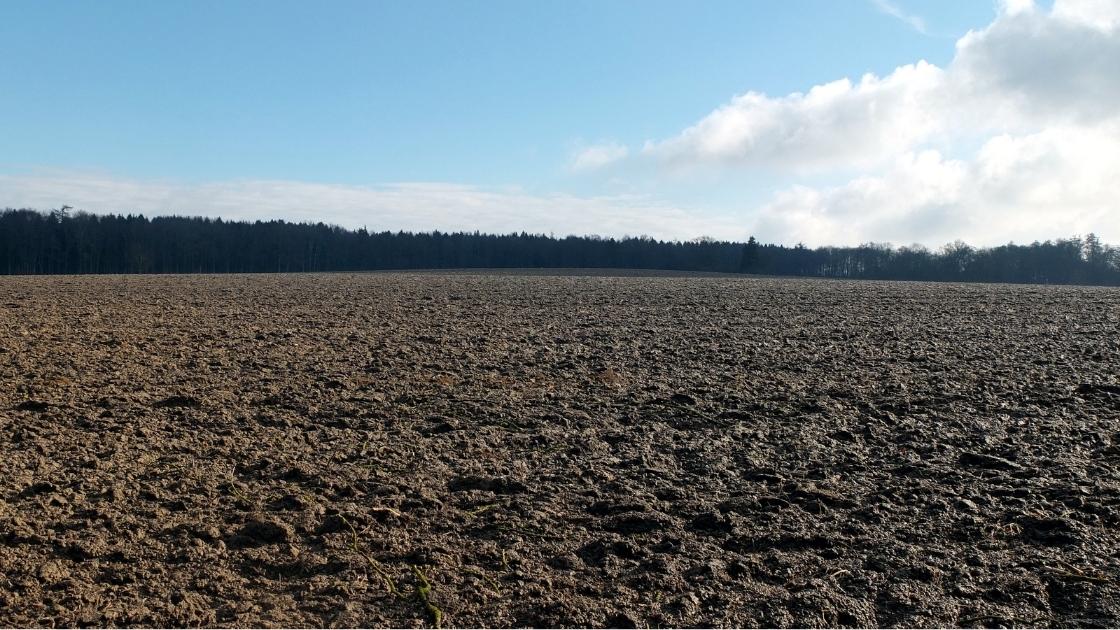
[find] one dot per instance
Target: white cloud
(1100, 14)
(1015, 7)
(867, 208)
(1058, 182)
(1035, 69)
(405, 206)
(598, 156)
(1038, 89)
(838, 124)
(890, 8)
(1027, 69)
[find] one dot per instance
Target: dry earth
(484, 450)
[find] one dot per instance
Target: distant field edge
(600, 272)
(620, 272)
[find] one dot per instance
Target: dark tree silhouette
(750, 260)
(62, 241)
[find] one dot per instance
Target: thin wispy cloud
(420, 207)
(598, 156)
(915, 21)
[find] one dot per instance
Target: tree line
(64, 242)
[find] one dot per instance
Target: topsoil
(502, 450)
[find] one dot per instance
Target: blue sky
(188, 99)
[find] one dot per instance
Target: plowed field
(534, 450)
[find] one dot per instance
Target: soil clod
(37, 406)
(265, 532)
(179, 401)
(992, 462)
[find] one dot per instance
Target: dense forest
(59, 241)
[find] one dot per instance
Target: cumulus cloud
(838, 124)
(1031, 68)
(403, 206)
(1056, 182)
(1026, 69)
(1037, 90)
(1015, 7)
(1101, 14)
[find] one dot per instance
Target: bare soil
(504, 450)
